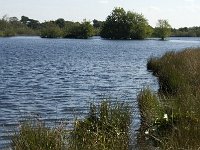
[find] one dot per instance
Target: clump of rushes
(178, 126)
(34, 135)
(106, 128)
(150, 106)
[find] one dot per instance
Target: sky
(179, 13)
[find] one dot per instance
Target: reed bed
(105, 128)
(171, 118)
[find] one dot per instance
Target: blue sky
(179, 13)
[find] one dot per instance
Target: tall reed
(178, 99)
(105, 128)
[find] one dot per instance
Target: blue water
(58, 78)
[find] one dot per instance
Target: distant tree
(72, 30)
(82, 30)
(60, 22)
(97, 26)
(24, 20)
(13, 19)
(97, 23)
(5, 18)
(125, 25)
(138, 25)
(116, 25)
(86, 29)
(163, 29)
(50, 30)
(31, 23)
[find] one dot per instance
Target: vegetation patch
(105, 128)
(172, 116)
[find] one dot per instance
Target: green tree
(163, 29)
(116, 25)
(97, 23)
(97, 26)
(31, 23)
(86, 29)
(125, 25)
(138, 25)
(24, 20)
(60, 22)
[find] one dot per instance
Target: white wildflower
(165, 117)
(146, 132)
(118, 133)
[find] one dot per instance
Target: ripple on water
(57, 79)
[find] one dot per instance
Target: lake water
(58, 78)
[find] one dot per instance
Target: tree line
(120, 24)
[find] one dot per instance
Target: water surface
(58, 78)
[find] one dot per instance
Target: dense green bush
(125, 25)
(82, 30)
(50, 30)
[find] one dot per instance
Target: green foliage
(179, 79)
(186, 32)
(163, 29)
(50, 30)
(125, 25)
(60, 29)
(150, 107)
(97, 26)
(60, 22)
(31, 23)
(12, 26)
(139, 27)
(106, 128)
(97, 23)
(33, 135)
(116, 25)
(82, 30)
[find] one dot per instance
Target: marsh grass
(35, 135)
(105, 128)
(178, 127)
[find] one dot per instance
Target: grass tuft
(34, 135)
(106, 127)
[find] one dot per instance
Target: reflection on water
(58, 78)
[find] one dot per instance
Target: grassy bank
(105, 128)
(171, 118)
